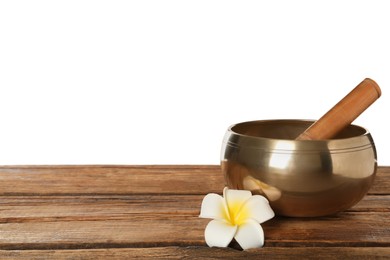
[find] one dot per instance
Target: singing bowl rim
(235, 137)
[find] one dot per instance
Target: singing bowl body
(304, 178)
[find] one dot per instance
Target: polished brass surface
(299, 177)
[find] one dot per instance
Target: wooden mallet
(344, 112)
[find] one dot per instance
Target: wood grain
(74, 180)
(110, 180)
(50, 222)
(84, 212)
(195, 252)
(32, 208)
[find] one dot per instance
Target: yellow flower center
(237, 213)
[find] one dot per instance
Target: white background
(159, 82)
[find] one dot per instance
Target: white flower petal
(219, 233)
(258, 209)
(235, 198)
(250, 235)
(213, 206)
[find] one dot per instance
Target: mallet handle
(344, 112)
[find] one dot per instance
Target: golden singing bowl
(303, 178)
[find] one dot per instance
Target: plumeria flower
(236, 215)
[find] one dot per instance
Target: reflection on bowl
(299, 178)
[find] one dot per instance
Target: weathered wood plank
(345, 229)
(143, 230)
(381, 183)
(111, 207)
(144, 226)
(373, 203)
(110, 180)
(73, 180)
(201, 253)
(84, 208)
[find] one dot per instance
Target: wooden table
(115, 212)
